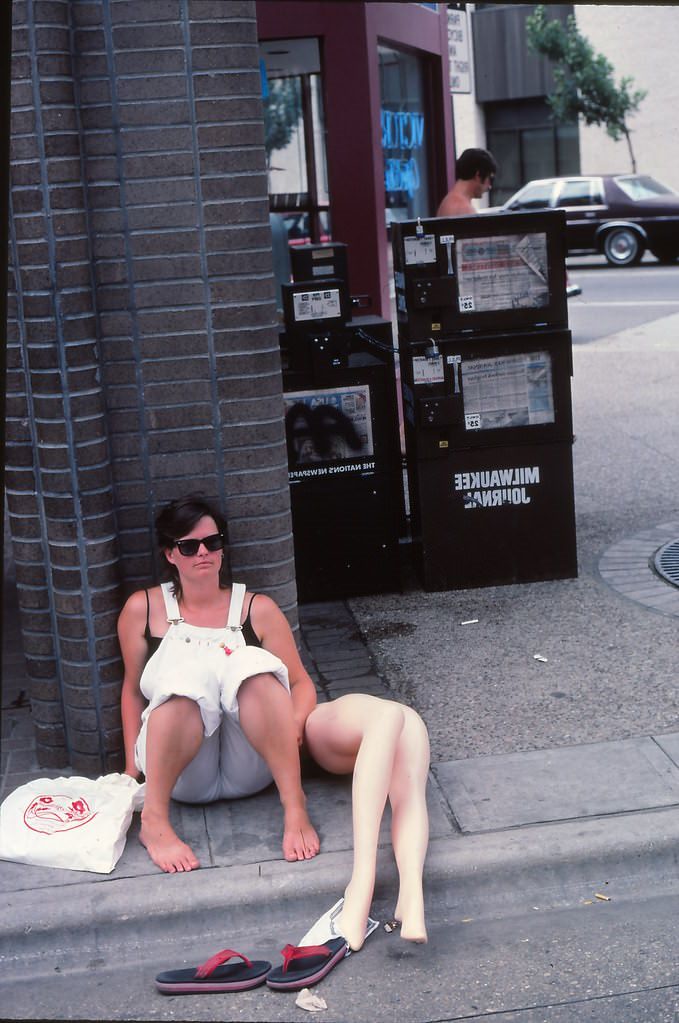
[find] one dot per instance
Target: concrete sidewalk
(501, 826)
(546, 775)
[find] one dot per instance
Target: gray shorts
(226, 766)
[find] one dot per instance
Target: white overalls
(208, 666)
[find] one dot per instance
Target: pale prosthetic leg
(387, 747)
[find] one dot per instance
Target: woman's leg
(265, 712)
(370, 736)
(173, 738)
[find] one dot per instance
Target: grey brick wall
(143, 357)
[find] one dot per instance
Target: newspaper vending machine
(485, 356)
(341, 421)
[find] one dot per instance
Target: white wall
(639, 41)
(470, 129)
(468, 119)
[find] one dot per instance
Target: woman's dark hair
(177, 519)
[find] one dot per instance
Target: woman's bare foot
(164, 846)
(410, 914)
(300, 841)
(353, 919)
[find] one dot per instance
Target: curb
(487, 875)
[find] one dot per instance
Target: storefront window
(405, 142)
(295, 138)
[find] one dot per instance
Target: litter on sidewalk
(306, 999)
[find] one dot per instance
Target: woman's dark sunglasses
(214, 542)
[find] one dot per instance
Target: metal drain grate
(666, 562)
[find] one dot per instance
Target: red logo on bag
(49, 814)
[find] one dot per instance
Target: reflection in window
(567, 149)
(535, 197)
(642, 186)
(298, 226)
(318, 122)
(404, 135)
(295, 139)
(537, 147)
(579, 193)
(285, 149)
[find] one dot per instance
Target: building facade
(505, 109)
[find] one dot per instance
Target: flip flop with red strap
(306, 964)
(214, 976)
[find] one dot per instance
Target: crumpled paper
(306, 999)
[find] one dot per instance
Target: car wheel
(622, 247)
(668, 255)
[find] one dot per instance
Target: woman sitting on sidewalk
(215, 696)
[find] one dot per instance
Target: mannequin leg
(265, 712)
(410, 823)
(364, 733)
(371, 782)
(174, 736)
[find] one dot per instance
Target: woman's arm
(134, 648)
(274, 631)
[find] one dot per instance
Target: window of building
(405, 134)
(295, 138)
(528, 145)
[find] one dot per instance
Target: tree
(583, 79)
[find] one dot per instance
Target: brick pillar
(58, 476)
(144, 353)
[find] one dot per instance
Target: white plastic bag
(76, 823)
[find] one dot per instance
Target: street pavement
(553, 792)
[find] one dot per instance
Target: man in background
(474, 172)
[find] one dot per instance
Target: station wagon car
(619, 215)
